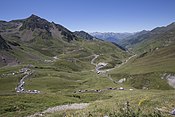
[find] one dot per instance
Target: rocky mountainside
(84, 35)
(32, 27)
(132, 39)
(3, 44)
(36, 39)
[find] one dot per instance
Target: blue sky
(95, 15)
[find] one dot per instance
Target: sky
(94, 15)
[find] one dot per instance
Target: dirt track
(61, 108)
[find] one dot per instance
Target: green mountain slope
(146, 41)
(155, 56)
(59, 67)
(35, 39)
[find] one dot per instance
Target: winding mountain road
(98, 66)
(76, 106)
(20, 88)
(122, 63)
(95, 57)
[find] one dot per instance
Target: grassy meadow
(59, 79)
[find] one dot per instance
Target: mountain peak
(33, 16)
(172, 25)
(34, 22)
(84, 35)
(46, 29)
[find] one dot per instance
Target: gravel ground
(61, 108)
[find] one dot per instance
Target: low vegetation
(63, 72)
(134, 103)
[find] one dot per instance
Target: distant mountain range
(111, 36)
(143, 40)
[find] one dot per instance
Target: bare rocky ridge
(83, 35)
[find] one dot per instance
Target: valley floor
(80, 94)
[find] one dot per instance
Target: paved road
(95, 57)
(122, 63)
(20, 88)
(99, 66)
